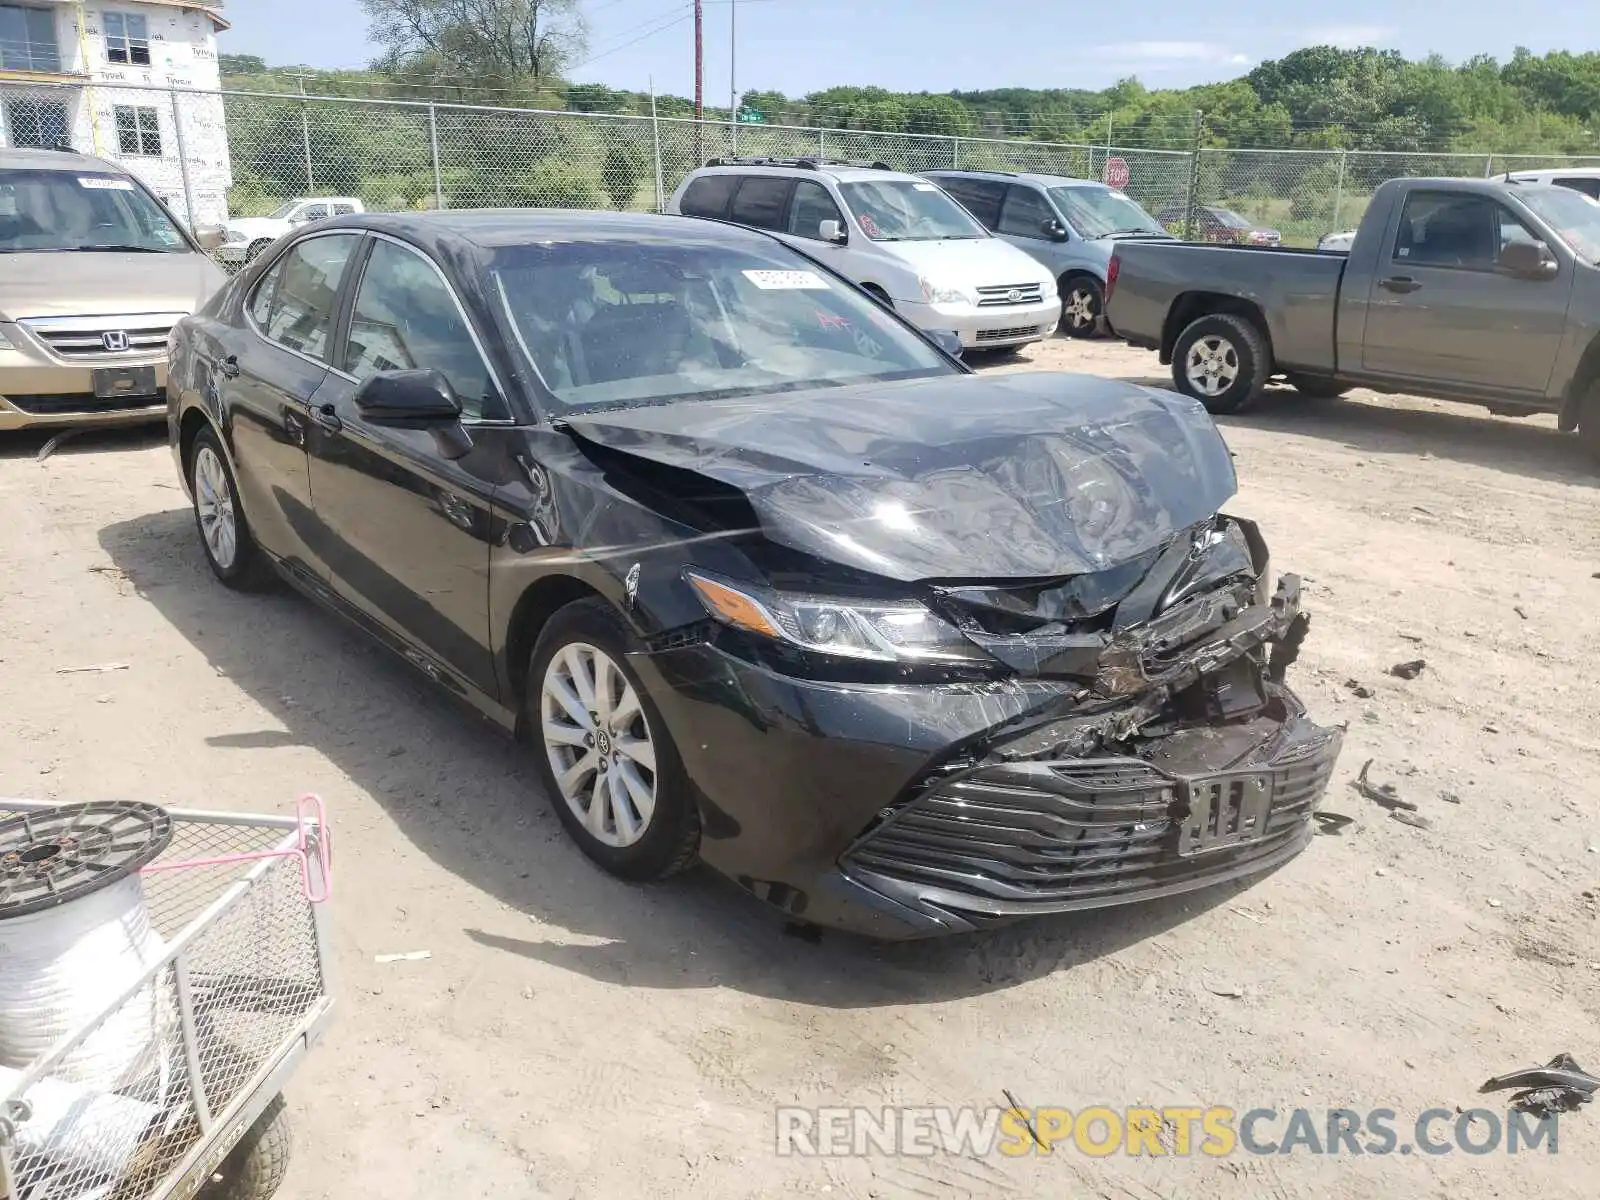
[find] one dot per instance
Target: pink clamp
(309, 813)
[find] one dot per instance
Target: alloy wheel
(1081, 309)
(1212, 365)
(213, 501)
(598, 741)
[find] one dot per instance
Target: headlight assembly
(898, 631)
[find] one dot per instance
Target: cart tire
(257, 1165)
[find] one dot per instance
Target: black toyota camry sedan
(764, 577)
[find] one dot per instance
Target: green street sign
(751, 116)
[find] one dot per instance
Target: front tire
(1222, 360)
(1083, 307)
(230, 548)
(604, 755)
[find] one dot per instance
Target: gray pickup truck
(1473, 290)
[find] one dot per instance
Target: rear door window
(294, 303)
(708, 196)
(762, 201)
(980, 197)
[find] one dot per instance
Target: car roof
(1037, 177)
(840, 172)
(1547, 172)
(55, 160)
(493, 228)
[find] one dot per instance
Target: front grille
(1005, 335)
(84, 339)
(1007, 294)
(1009, 838)
(86, 403)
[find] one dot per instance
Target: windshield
(1573, 216)
(904, 210)
(68, 210)
(1095, 211)
(281, 213)
(611, 324)
(1231, 219)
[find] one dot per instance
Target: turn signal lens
(735, 608)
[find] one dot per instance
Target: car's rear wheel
(256, 248)
(1083, 305)
(1317, 388)
(1222, 361)
(605, 757)
(230, 548)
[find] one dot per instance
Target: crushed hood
(1023, 476)
(104, 283)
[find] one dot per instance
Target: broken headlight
(890, 631)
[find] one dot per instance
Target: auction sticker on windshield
(104, 185)
(788, 281)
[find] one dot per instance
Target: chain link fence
(215, 155)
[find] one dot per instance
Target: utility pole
(699, 83)
(733, 71)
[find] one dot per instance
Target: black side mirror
(1055, 230)
(411, 399)
(947, 340)
(1528, 260)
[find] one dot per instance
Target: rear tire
(1083, 306)
(1589, 422)
(256, 248)
(615, 753)
(1317, 388)
(1222, 360)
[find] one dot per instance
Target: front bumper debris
(1197, 807)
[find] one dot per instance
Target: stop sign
(1117, 173)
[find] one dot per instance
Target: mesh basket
(238, 993)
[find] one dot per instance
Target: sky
(798, 46)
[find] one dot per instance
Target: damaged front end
(1178, 759)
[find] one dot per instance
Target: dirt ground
(572, 1036)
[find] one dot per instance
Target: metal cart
(235, 996)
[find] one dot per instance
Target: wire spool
(74, 935)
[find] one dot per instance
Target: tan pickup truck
(94, 272)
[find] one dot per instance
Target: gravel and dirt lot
(573, 1036)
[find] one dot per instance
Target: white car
(249, 236)
(896, 235)
(1338, 242)
(1578, 179)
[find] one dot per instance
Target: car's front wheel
(230, 549)
(1222, 361)
(1082, 306)
(605, 757)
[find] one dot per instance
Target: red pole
(699, 83)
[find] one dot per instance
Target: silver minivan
(896, 235)
(1071, 226)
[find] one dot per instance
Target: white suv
(249, 236)
(897, 235)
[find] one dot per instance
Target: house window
(28, 39)
(34, 122)
(127, 39)
(138, 131)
